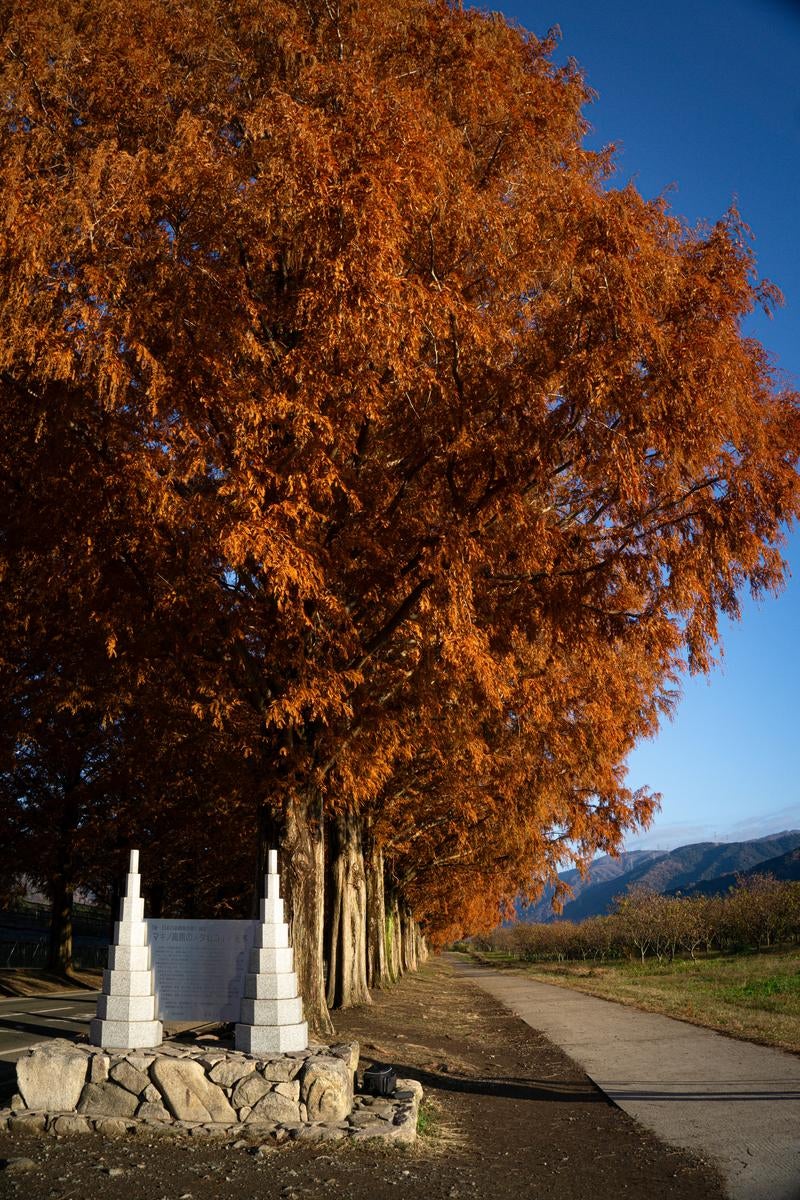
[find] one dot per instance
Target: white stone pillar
(272, 1011)
(127, 1017)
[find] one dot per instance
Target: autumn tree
(56, 749)
(49, 798)
(758, 911)
(373, 430)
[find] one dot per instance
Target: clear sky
(702, 98)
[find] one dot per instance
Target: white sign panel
(199, 967)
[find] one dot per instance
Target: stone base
(129, 1010)
(272, 937)
(205, 1092)
(268, 960)
(393, 1119)
(128, 983)
(271, 1039)
(128, 958)
(143, 1035)
(276, 1012)
(271, 986)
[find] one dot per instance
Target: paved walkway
(727, 1101)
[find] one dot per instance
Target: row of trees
(370, 467)
(758, 913)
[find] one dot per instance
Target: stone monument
(272, 1011)
(126, 1011)
(284, 1090)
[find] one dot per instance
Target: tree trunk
(378, 974)
(155, 899)
(60, 889)
(394, 958)
(59, 954)
(408, 946)
(302, 866)
(347, 915)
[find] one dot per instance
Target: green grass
(760, 993)
(426, 1120)
(751, 996)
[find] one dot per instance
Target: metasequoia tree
(91, 761)
(51, 808)
(372, 429)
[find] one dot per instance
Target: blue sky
(702, 99)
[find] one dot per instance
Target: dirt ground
(506, 1114)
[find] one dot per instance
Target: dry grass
(751, 996)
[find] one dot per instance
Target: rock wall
(308, 1095)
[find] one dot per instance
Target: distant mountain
(785, 866)
(602, 870)
(674, 870)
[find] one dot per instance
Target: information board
(199, 967)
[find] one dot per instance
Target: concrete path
(727, 1101)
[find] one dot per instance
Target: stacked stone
(126, 1011)
(305, 1095)
(272, 1011)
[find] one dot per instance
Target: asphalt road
(28, 1019)
(726, 1100)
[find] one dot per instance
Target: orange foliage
(349, 412)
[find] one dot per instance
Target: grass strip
(753, 996)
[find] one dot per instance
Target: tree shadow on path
(508, 1087)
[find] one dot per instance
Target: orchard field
(730, 963)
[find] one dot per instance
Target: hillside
(681, 869)
(785, 866)
(603, 870)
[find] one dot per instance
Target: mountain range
(701, 867)
(785, 866)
